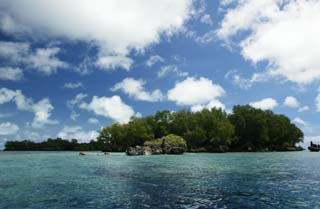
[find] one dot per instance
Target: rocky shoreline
(157, 150)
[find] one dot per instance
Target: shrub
(169, 140)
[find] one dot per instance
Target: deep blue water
(43, 180)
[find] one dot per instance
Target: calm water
(234, 180)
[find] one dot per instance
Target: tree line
(246, 128)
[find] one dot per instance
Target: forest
(245, 129)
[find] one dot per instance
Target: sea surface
(45, 180)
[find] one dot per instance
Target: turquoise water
(234, 180)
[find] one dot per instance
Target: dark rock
(175, 150)
(138, 150)
(157, 150)
(200, 149)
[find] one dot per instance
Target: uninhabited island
(167, 132)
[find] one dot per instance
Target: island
(167, 132)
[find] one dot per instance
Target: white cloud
(77, 100)
(283, 33)
(43, 60)
(114, 62)
(135, 89)
(74, 115)
(116, 26)
(10, 74)
(73, 85)
(8, 25)
(265, 104)
(42, 109)
(171, 69)
(8, 128)
(77, 132)
(318, 101)
(244, 83)
(300, 121)
(194, 91)
(110, 107)
(206, 19)
(303, 109)
(93, 120)
(206, 38)
(291, 102)
(211, 104)
(153, 60)
(13, 51)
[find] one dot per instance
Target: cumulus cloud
(43, 60)
(10, 74)
(281, 33)
(265, 104)
(303, 109)
(291, 101)
(77, 132)
(198, 93)
(153, 60)
(212, 104)
(73, 85)
(42, 109)
(93, 120)
(206, 19)
(300, 121)
(110, 107)
(116, 26)
(170, 70)
(74, 115)
(76, 100)
(318, 101)
(135, 89)
(206, 38)
(8, 128)
(244, 83)
(114, 62)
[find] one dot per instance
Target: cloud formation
(265, 104)
(43, 60)
(135, 89)
(73, 85)
(282, 33)
(8, 128)
(77, 132)
(11, 74)
(110, 107)
(116, 26)
(291, 101)
(198, 93)
(41, 109)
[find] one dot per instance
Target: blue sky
(69, 68)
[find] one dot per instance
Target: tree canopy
(246, 127)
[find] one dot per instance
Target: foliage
(245, 127)
(53, 145)
(171, 140)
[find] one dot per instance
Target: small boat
(314, 147)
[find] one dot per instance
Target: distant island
(245, 129)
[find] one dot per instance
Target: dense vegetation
(53, 145)
(246, 128)
(170, 140)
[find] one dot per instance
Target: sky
(68, 68)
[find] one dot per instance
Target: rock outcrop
(171, 144)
